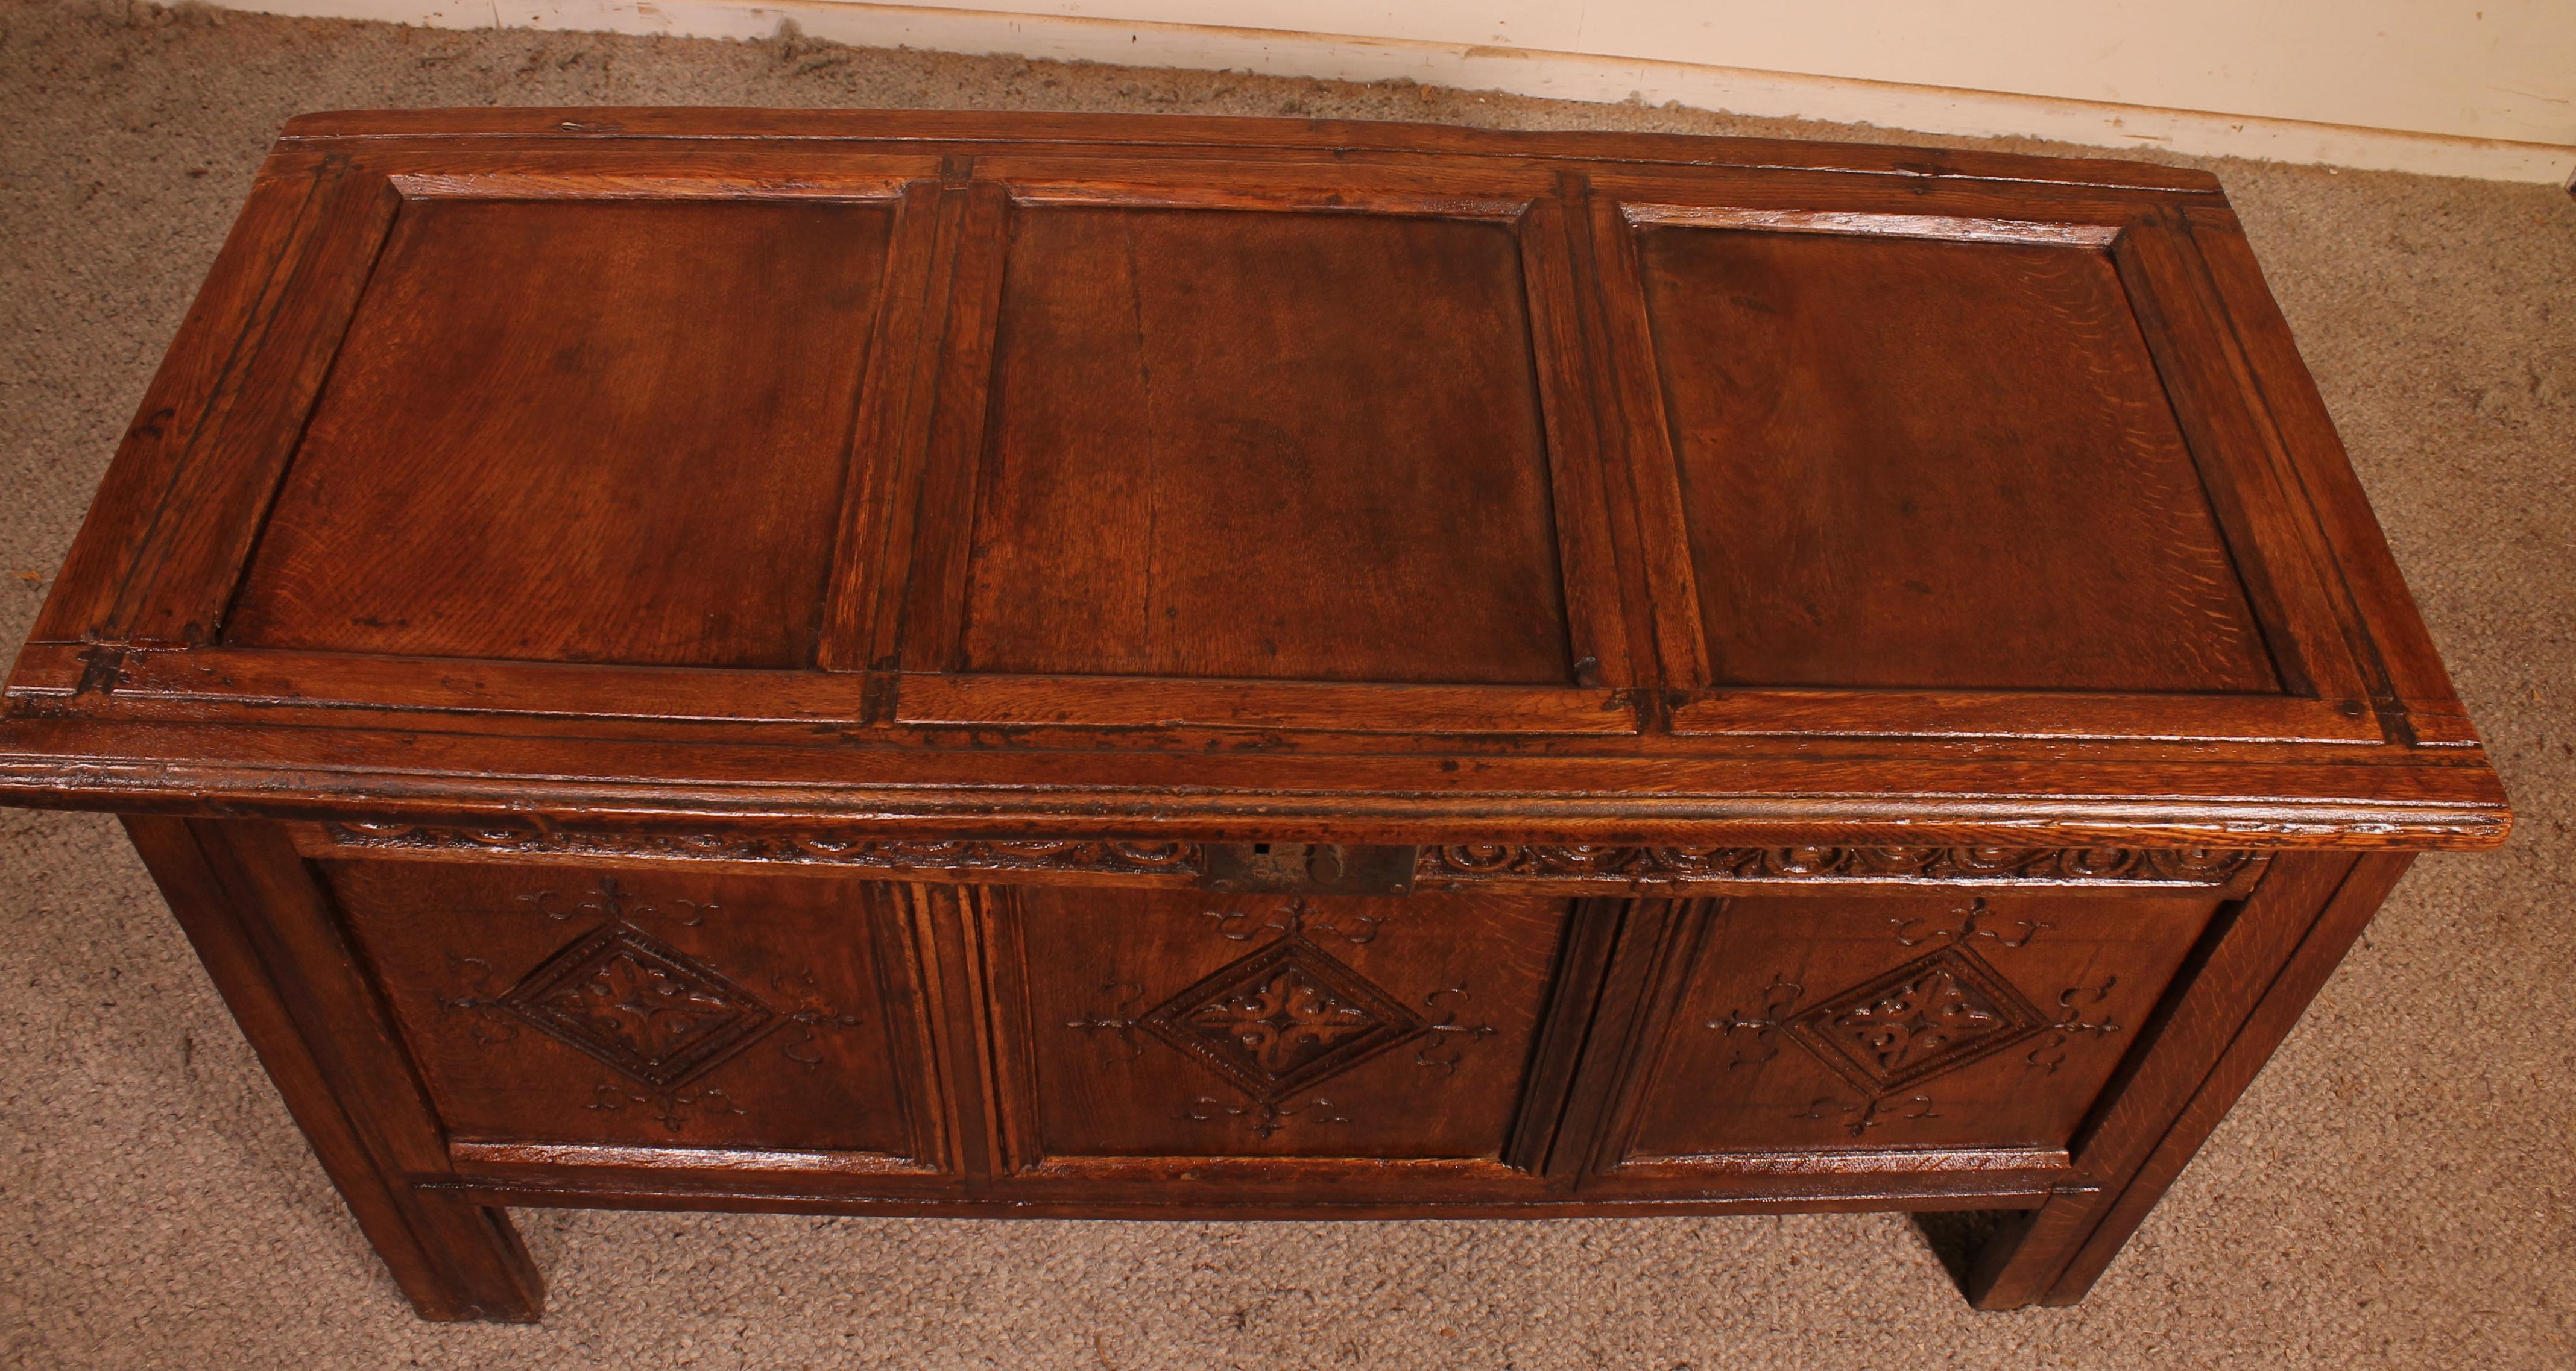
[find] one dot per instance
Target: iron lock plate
(1307, 869)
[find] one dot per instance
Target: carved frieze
(1107, 857)
(1453, 866)
(1947, 865)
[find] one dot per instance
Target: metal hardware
(1307, 869)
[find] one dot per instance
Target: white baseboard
(1515, 71)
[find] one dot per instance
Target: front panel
(1176, 1046)
(1271, 1038)
(1493, 1044)
(574, 1008)
(1924, 1031)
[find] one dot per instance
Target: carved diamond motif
(1282, 1019)
(1930, 1016)
(649, 1010)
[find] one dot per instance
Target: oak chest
(1010, 664)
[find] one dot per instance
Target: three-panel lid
(1021, 474)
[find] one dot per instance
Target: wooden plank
(1428, 188)
(273, 680)
(1658, 943)
(505, 1161)
(1130, 702)
(1155, 1196)
(1948, 227)
(207, 517)
(1180, 132)
(2275, 560)
(1809, 201)
(1582, 968)
(199, 379)
(910, 973)
(1663, 585)
(1587, 546)
(942, 546)
(583, 183)
(2022, 714)
(993, 928)
(1798, 793)
(2391, 630)
(872, 556)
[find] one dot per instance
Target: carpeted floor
(2394, 1191)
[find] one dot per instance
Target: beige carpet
(2395, 1190)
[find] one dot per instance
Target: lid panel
(1914, 462)
(1265, 445)
(1146, 485)
(580, 430)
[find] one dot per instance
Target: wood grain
(646, 471)
(574, 1007)
(1183, 402)
(1892, 448)
(725, 659)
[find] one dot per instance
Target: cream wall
(2457, 87)
(2473, 68)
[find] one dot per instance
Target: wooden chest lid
(1020, 474)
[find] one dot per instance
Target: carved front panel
(1535, 868)
(1879, 1023)
(1142, 1024)
(584, 1007)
